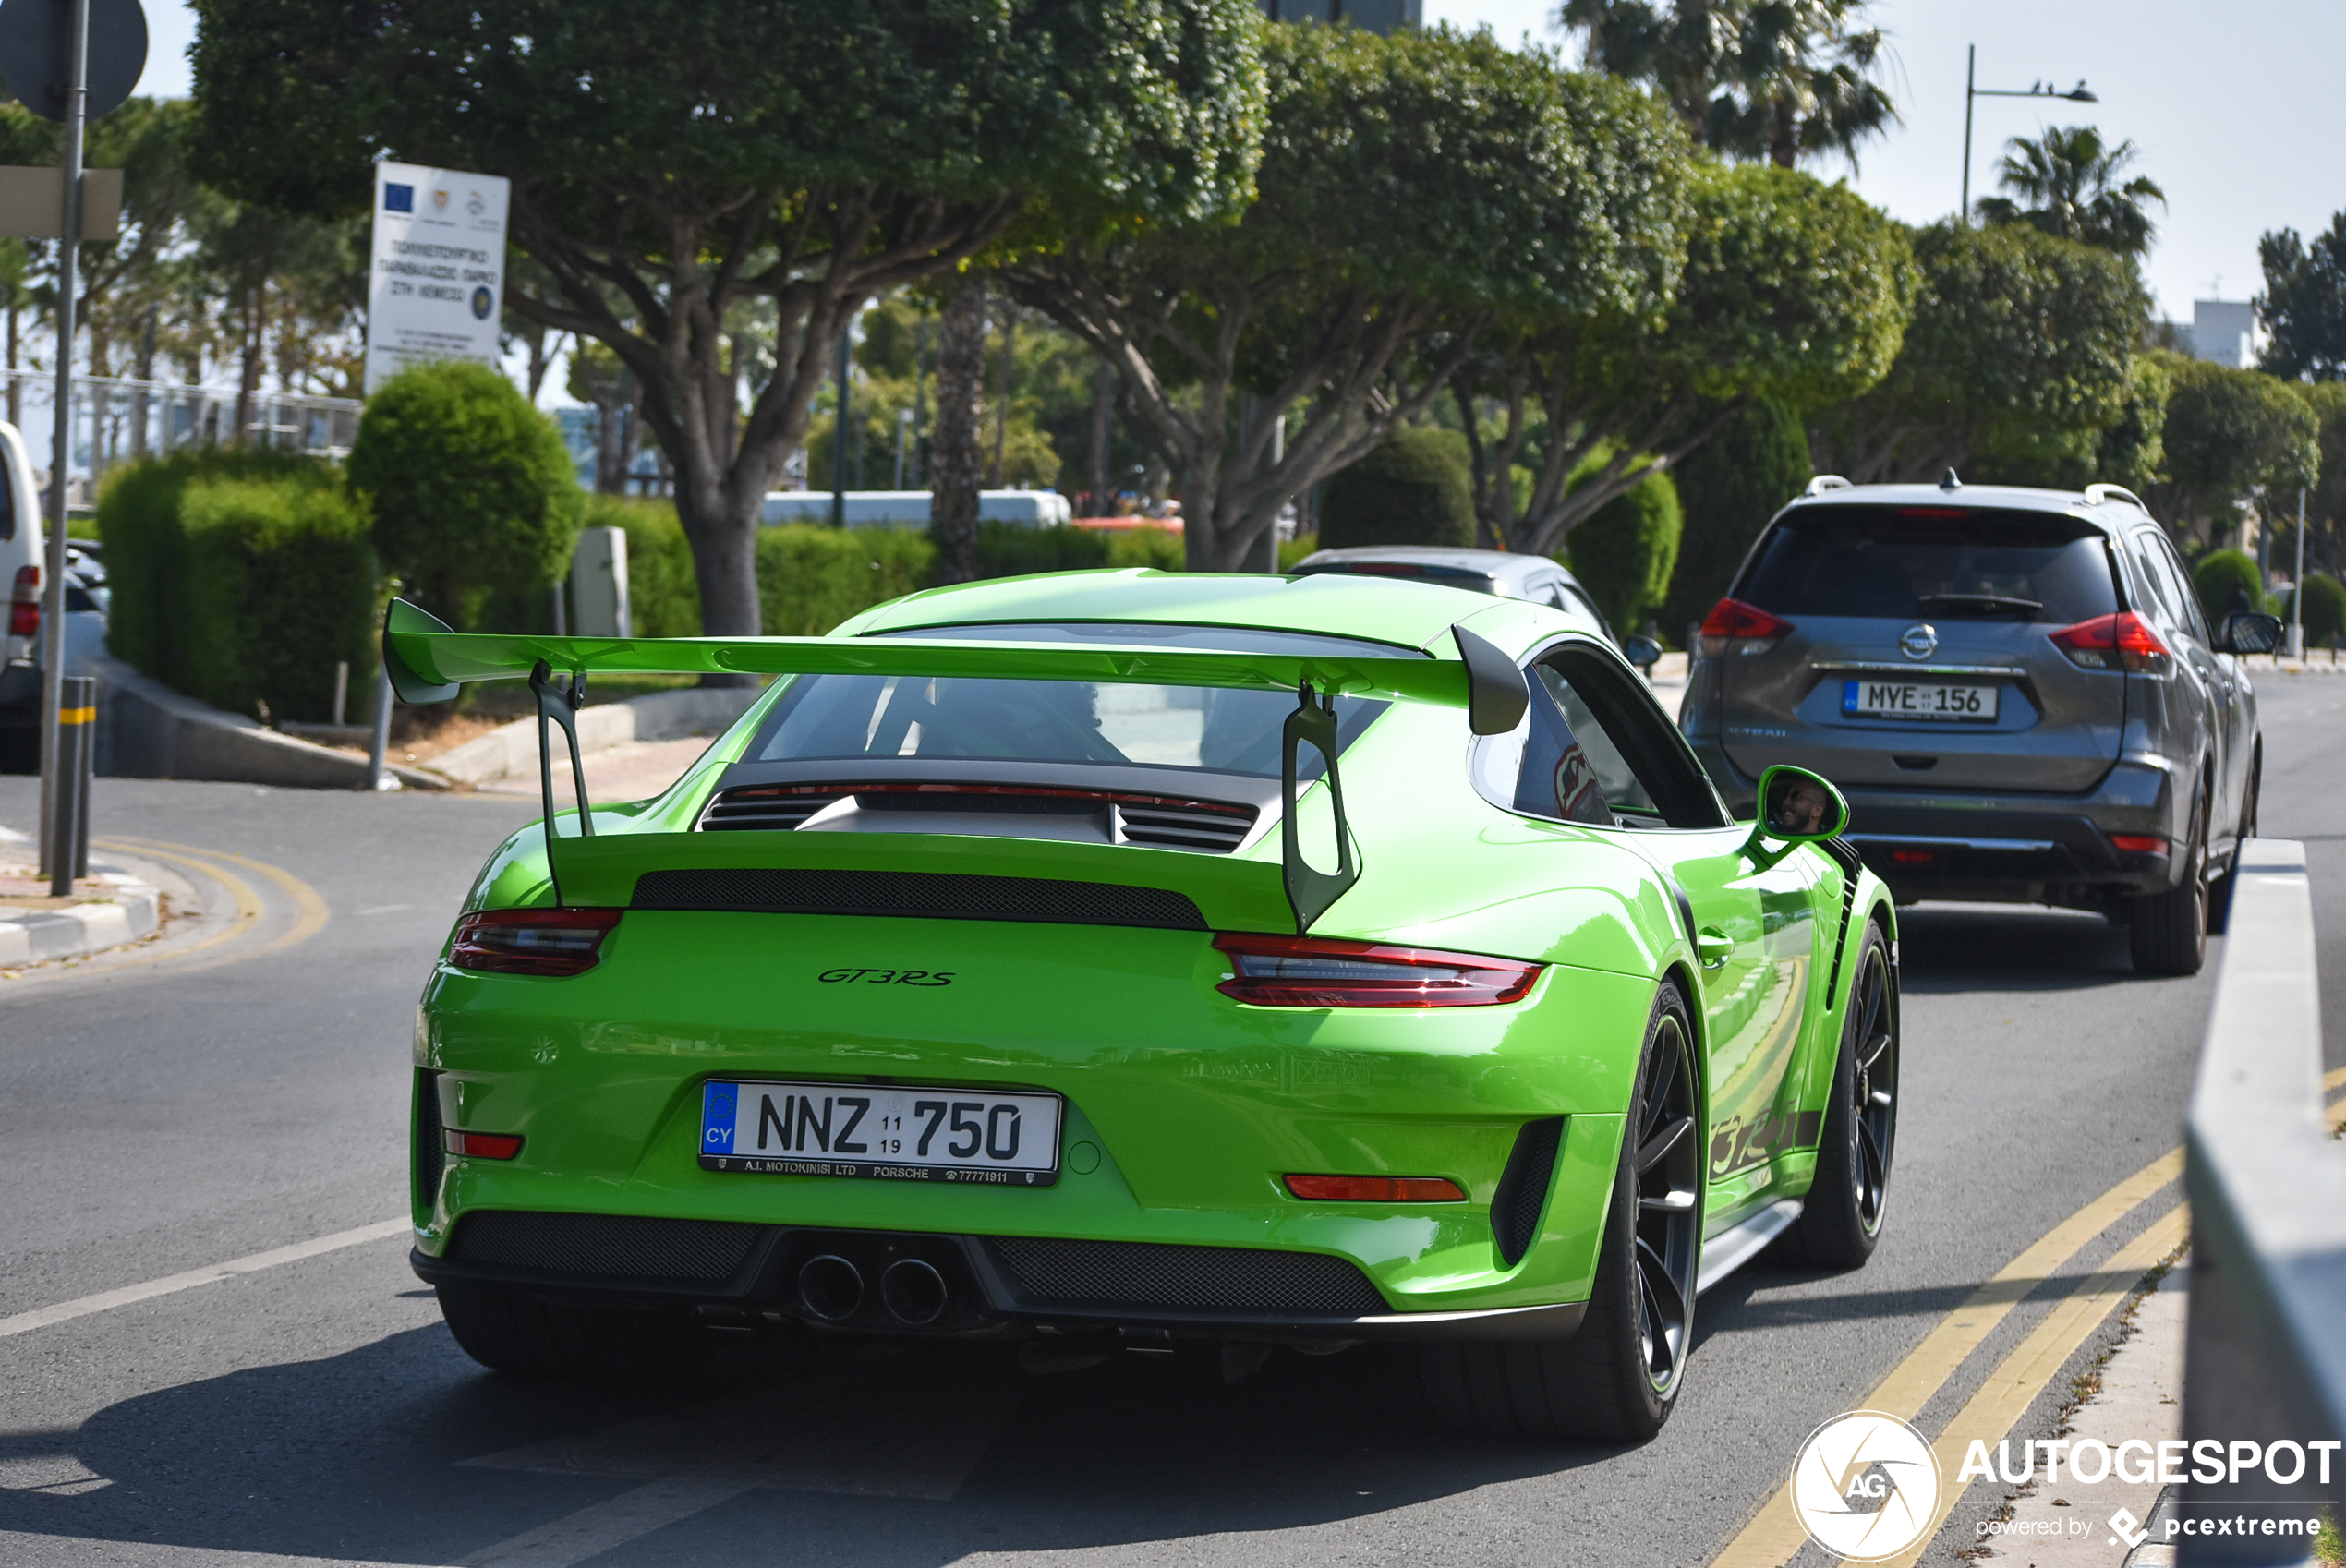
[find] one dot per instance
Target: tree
(2013, 328)
(1626, 552)
(2304, 305)
(2230, 434)
(1778, 79)
(2070, 184)
(1792, 289)
(1728, 488)
(676, 163)
(471, 487)
(1414, 190)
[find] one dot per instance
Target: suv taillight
(2124, 641)
(550, 942)
(24, 603)
(1311, 972)
(1745, 628)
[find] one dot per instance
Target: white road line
(596, 1530)
(64, 1311)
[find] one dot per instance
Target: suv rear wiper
(1987, 604)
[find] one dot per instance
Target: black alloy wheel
(2168, 934)
(1668, 1173)
(1841, 1219)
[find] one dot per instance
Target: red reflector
(1309, 971)
(24, 603)
(482, 1145)
(1377, 1190)
(1912, 857)
(550, 942)
(2124, 641)
(2139, 843)
(1734, 620)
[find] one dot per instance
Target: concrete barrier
(511, 751)
(148, 731)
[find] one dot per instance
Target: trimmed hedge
(240, 578)
(1410, 489)
(1626, 553)
(810, 578)
(2324, 609)
(1729, 487)
(2220, 576)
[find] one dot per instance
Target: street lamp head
(2080, 94)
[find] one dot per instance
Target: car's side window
(1594, 749)
(2159, 592)
(2162, 550)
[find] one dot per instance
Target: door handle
(1712, 946)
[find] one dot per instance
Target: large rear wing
(429, 662)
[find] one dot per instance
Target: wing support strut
(558, 705)
(1310, 891)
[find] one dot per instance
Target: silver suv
(2015, 688)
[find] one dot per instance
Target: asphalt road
(170, 1116)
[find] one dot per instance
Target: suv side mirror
(1798, 807)
(2251, 633)
(1642, 651)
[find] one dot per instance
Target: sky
(2234, 109)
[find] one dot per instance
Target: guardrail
(2265, 1357)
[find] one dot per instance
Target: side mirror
(1642, 651)
(2251, 633)
(1798, 807)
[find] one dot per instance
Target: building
(1375, 16)
(2222, 332)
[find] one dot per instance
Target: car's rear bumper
(2019, 847)
(992, 1286)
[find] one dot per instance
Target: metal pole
(52, 608)
(1970, 75)
(839, 442)
(380, 741)
(342, 689)
(2297, 594)
(69, 821)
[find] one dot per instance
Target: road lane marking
(310, 911)
(594, 1530)
(104, 1301)
(1774, 1533)
(2005, 1398)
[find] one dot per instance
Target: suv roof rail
(1824, 482)
(2095, 495)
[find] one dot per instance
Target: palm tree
(2069, 183)
(1780, 79)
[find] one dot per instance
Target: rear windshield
(825, 717)
(1910, 562)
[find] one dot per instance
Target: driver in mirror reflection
(1799, 809)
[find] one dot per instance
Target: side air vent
(926, 895)
(1184, 824)
(1523, 1188)
(772, 808)
(431, 1156)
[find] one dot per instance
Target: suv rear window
(1911, 562)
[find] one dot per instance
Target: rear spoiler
(429, 662)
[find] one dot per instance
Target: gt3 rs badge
(886, 976)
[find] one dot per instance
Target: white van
(21, 563)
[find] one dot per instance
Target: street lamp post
(2077, 94)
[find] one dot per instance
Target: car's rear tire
(2220, 901)
(1842, 1218)
(2168, 934)
(513, 1330)
(1618, 1380)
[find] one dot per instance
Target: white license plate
(885, 1132)
(1918, 699)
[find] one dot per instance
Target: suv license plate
(1916, 699)
(886, 1132)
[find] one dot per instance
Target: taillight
(2138, 843)
(552, 942)
(1311, 972)
(24, 603)
(2124, 641)
(1745, 628)
(482, 1145)
(1377, 1190)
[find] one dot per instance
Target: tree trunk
(1101, 386)
(1005, 398)
(248, 377)
(15, 387)
(960, 372)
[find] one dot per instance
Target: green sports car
(1117, 959)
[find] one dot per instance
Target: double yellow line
(311, 913)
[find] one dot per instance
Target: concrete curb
(32, 936)
(510, 750)
(148, 731)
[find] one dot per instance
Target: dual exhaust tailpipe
(911, 1291)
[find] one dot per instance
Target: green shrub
(471, 489)
(1626, 553)
(2324, 609)
(1005, 550)
(2222, 577)
(1156, 549)
(810, 577)
(1411, 490)
(1728, 488)
(240, 578)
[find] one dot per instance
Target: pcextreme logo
(1865, 1485)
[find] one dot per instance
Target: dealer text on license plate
(1914, 699)
(858, 1129)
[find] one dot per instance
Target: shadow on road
(376, 1455)
(1950, 947)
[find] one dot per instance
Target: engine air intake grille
(921, 894)
(766, 807)
(1145, 1275)
(1523, 1187)
(612, 1246)
(1179, 824)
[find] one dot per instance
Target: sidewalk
(107, 909)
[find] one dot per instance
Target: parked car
(2016, 689)
(22, 542)
(1533, 578)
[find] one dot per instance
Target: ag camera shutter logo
(1865, 1485)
